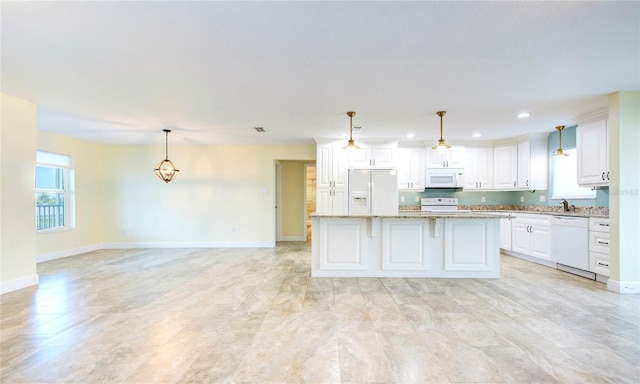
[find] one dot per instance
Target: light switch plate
(543, 198)
(402, 199)
(522, 199)
(483, 199)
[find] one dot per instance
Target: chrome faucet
(565, 205)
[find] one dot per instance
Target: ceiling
(120, 72)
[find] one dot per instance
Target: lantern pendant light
(442, 146)
(559, 152)
(165, 170)
(351, 144)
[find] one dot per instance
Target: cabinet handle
(603, 264)
(447, 163)
(603, 242)
(514, 184)
(607, 176)
(602, 176)
(603, 224)
(480, 184)
(527, 183)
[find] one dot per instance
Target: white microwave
(445, 178)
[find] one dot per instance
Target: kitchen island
(408, 244)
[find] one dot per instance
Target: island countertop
(420, 214)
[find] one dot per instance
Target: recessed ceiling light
(410, 135)
(523, 115)
(477, 134)
(260, 129)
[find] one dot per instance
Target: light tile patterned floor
(256, 316)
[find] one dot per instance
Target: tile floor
(256, 316)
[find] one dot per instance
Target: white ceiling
(120, 72)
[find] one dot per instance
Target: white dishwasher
(570, 241)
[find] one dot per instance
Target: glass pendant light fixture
(351, 144)
(165, 170)
(559, 152)
(442, 146)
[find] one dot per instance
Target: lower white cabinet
(343, 244)
(467, 245)
(505, 234)
(405, 244)
(599, 246)
(531, 235)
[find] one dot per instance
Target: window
(53, 192)
(565, 178)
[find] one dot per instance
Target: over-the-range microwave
(445, 178)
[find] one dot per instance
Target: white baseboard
(192, 244)
(14, 285)
(623, 287)
(68, 252)
(293, 238)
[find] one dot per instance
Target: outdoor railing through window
(49, 216)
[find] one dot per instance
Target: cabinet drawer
(599, 242)
(599, 263)
(598, 224)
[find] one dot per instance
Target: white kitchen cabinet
(465, 245)
(478, 169)
(531, 235)
(505, 167)
(599, 246)
(331, 179)
(505, 234)
(593, 154)
(343, 243)
(411, 168)
(374, 155)
(405, 244)
(533, 165)
(453, 157)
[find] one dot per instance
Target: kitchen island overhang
(408, 244)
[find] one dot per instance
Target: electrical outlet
(402, 199)
(522, 199)
(483, 199)
(233, 229)
(543, 198)
(417, 199)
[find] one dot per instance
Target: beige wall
(624, 204)
(224, 195)
(88, 161)
(17, 204)
(293, 203)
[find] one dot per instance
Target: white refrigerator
(373, 192)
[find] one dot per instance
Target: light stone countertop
(426, 215)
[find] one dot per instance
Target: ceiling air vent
(260, 129)
(357, 129)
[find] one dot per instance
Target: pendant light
(351, 144)
(165, 170)
(559, 152)
(442, 146)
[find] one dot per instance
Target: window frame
(572, 152)
(64, 162)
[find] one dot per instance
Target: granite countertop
(599, 212)
(426, 215)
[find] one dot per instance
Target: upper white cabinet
(331, 179)
(533, 164)
(593, 153)
(478, 169)
(374, 155)
(505, 167)
(453, 157)
(411, 168)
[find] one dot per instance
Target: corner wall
(17, 198)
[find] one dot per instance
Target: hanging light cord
(166, 144)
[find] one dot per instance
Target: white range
(440, 205)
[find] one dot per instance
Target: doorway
(309, 196)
